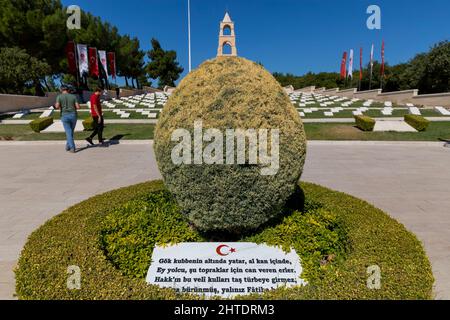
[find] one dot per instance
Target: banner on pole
(112, 64)
(350, 65)
(360, 63)
(93, 62)
(71, 58)
(344, 65)
(382, 59)
(83, 65)
(371, 56)
(103, 61)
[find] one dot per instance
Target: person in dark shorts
(97, 115)
(117, 92)
(69, 105)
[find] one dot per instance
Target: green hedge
(73, 238)
(88, 124)
(41, 124)
(365, 123)
(417, 122)
(131, 231)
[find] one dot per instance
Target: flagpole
(189, 34)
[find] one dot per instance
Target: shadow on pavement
(111, 142)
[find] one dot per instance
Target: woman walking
(69, 105)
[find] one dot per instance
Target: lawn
(83, 114)
(374, 113)
(125, 131)
(314, 131)
(348, 131)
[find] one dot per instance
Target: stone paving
(410, 181)
(58, 126)
(393, 125)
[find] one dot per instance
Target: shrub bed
(417, 122)
(41, 124)
(131, 231)
(365, 123)
(79, 235)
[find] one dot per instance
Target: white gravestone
(224, 269)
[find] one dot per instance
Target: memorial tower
(227, 38)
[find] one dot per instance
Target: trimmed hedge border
(417, 122)
(88, 124)
(365, 123)
(72, 238)
(41, 124)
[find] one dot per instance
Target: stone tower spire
(227, 37)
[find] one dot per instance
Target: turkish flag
(360, 63)
(382, 59)
(71, 57)
(93, 62)
(344, 66)
(112, 64)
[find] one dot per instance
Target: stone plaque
(224, 269)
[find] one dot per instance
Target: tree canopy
(38, 28)
(163, 65)
(19, 70)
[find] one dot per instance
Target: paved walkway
(57, 126)
(411, 181)
(393, 125)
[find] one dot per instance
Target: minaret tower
(227, 37)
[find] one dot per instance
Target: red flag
(71, 58)
(360, 63)
(93, 62)
(112, 64)
(382, 59)
(344, 66)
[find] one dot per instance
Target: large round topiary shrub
(230, 93)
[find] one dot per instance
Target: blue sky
(293, 36)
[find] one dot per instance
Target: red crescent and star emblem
(222, 250)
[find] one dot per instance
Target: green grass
(320, 114)
(111, 115)
(373, 113)
(399, 113)
(73, 238)
(128, 131)
(130, 232)
(84, 114)
(348, 131)
(30, 116)
(314, 131)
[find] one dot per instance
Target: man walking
(97, 115)
(69, 105)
